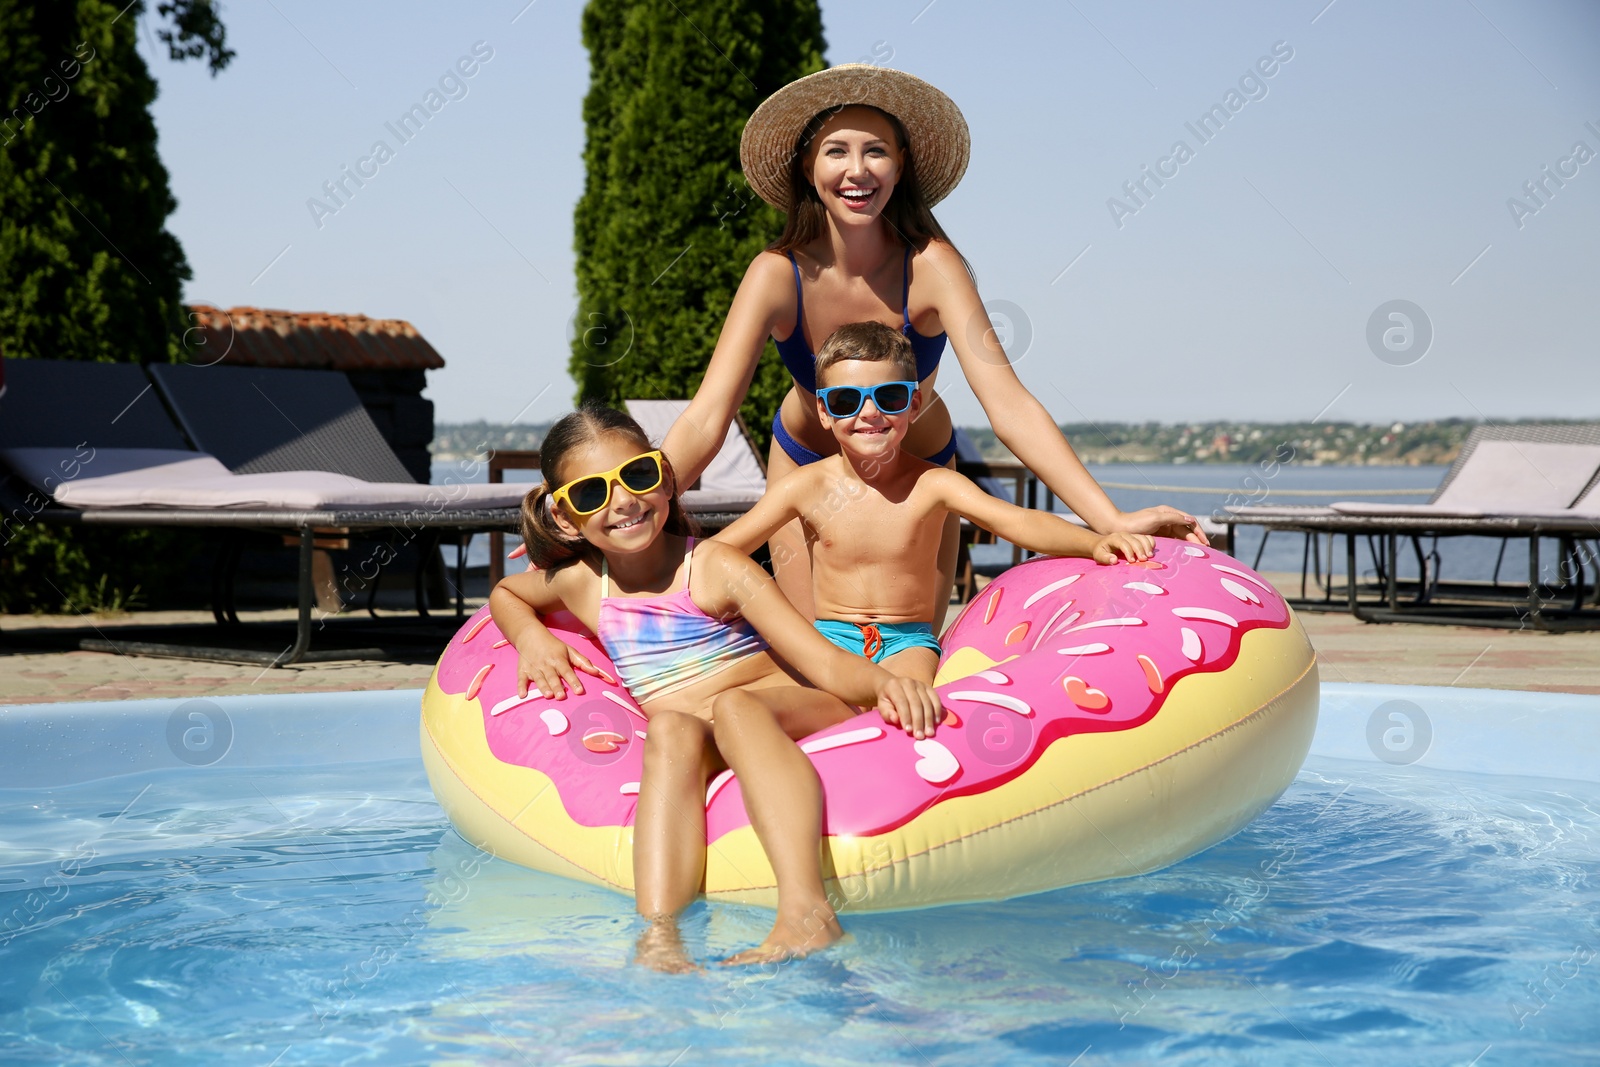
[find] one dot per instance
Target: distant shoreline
(1323, 444)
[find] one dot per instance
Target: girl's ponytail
(548, 545)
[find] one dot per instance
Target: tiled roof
(263, 337)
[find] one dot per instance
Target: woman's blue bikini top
(802, 362)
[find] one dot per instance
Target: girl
(687, 624)
(856, 156)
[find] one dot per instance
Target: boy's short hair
(870, 342)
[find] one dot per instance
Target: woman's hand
(1162, 521)
(549, 664)
(911, 705)
(1130, 546)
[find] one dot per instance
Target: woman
(855, 156)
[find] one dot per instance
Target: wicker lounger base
(1534, 604)
(426, 525)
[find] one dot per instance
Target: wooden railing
(499, 463)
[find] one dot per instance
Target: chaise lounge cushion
(1502, 478)
(165, 478)
(732, 481)
(1279, 511)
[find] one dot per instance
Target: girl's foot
(660, 948)
(794, 936)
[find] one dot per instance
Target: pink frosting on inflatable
(1078, 648)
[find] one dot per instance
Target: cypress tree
(87, 267)
(88, 270)
(667, 225)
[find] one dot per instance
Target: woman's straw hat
(940, 143)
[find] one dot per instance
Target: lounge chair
(274, 420)
(731, 483)
(1500, 477)
(92, 444)
(1508, 482)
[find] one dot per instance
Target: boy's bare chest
(868, 527)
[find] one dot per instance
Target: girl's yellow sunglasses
(589, 494)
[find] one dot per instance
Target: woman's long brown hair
(907, 212)
(548, 545)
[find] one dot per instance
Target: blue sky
(1374, 165)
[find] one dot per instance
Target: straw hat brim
(940, 141)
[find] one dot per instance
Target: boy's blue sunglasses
(846, 401)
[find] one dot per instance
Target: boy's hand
(1164, 521)
(911, 705)
(548, 664)
(1130, 546)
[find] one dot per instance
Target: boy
(874, 514)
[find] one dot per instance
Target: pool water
(327, 913)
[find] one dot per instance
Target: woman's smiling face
(854, 163)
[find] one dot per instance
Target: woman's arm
(739, 586)
(1019, 420)
(699, 432)
(1036, 531)
(543, 659)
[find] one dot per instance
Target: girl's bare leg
(669, 833)
(785, 809)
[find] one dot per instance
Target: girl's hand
(1163, 521)
(549, 664)
(911, 705)
(1130, 546)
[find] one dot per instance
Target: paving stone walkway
(1349, 651)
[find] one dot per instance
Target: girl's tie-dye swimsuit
(661, 644)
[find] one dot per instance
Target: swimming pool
(268, 880)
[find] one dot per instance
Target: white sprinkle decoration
(998, 700)
(1252, 579)
(1098, 623)
(716, 785)
(618, 700)
(993, 677)
(1193, 550)
(1192, 648)
(1045, 591)
(1206, 615)
(1044, 631)
(1240, 591)
(629, 789)
(640, 734)
(937, 764)
(1084, 650)
(1146, 587)
(502, 643)
(512, 703)
(849, 737)
(555, 721)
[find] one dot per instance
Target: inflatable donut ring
(1104, 721)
